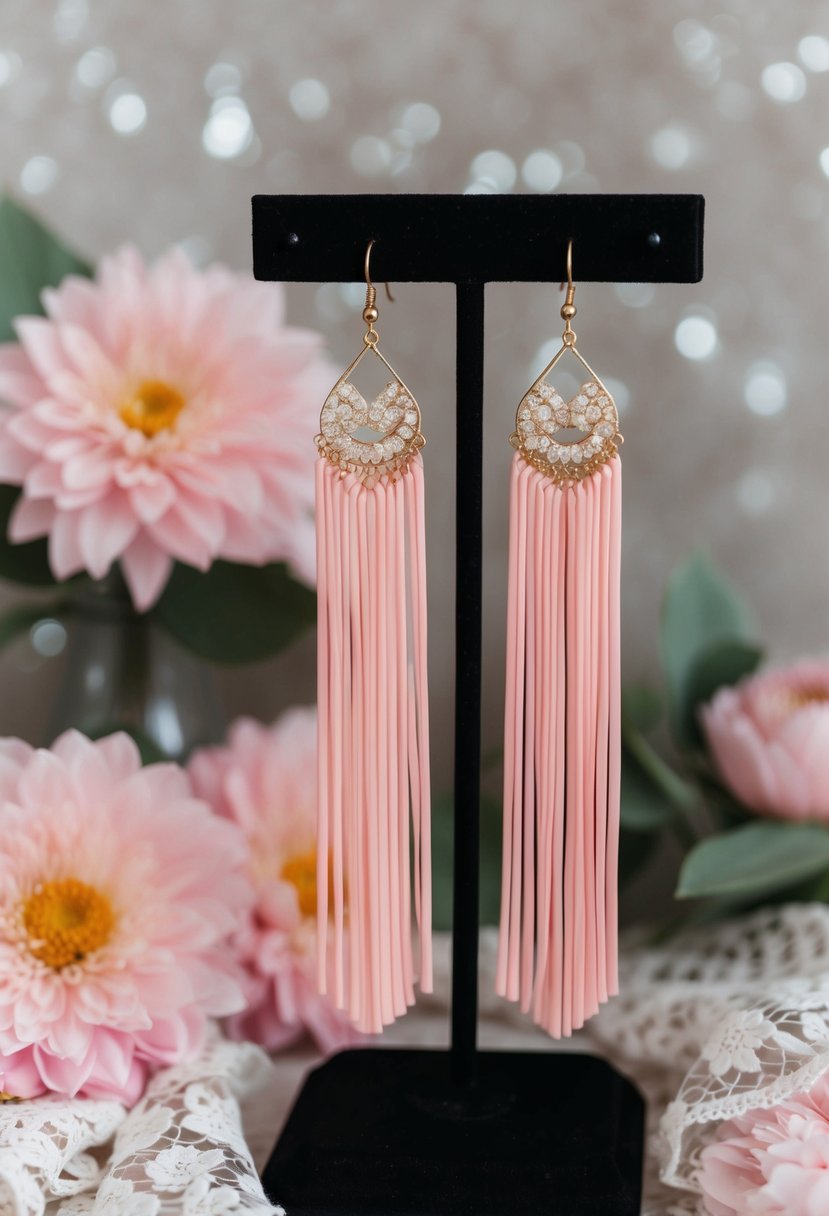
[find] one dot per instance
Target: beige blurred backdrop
(155, 123)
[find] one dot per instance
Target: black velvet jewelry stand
(380, 1132)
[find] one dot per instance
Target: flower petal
(106, 529)
(151, 499)
(146, 568)
(19, 383)
(41, 342)
(31, 518)
(60, 1073)
(740, 752)
(65, 556)
(44, 480)
(89, 469)
(174, 1038)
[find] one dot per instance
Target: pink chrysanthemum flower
(118, 894)
(265, 780)
(162, 413)
(771, 1162)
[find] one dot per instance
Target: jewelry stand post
(387, 1132)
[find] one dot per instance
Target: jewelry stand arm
(384, 1132)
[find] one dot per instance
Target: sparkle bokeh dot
(695, 337)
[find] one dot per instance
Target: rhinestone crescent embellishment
(543, 414)
(393, 415)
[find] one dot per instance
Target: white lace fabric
(716, 1022)
(710, 1024)
(179, 1151)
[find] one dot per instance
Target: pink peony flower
(118, 893)
(162, 413)
(771, 1162)
(265, 780)
(770, 739)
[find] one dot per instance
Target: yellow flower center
(301, 872)
(65, 920)
(810, 694)
(153, 407)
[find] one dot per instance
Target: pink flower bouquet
(119, 894)
(264, 781)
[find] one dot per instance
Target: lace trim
(734, 1018)
(179, 1151)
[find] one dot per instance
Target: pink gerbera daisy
(265, 780)
(118, 893)
(162, 413)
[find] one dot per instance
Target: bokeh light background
(155, 123)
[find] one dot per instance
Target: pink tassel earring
(557, 950)
(374, 823)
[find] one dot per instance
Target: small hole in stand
(292, 238)
(654, 240)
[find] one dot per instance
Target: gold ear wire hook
(568, 308)
(370, 311)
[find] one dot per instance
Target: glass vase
(124, 671)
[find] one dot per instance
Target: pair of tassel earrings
(557, 948)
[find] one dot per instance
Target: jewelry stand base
(378, 1132)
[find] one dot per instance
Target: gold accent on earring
(543, 413)
(393, 416)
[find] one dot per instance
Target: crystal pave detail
(393, 415)
(543, 413)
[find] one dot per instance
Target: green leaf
(754, 860)
(673, 787)
(819, 890)
(693, 915)
(641, 706)
(31, 258)
(721, 804)
(233, 613)
(635, 850)
(27, 563)
(651, 791)
(644, 806)
(700, 609)
(719, 666)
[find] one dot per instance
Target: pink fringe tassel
(374, 828)
(557, 952)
